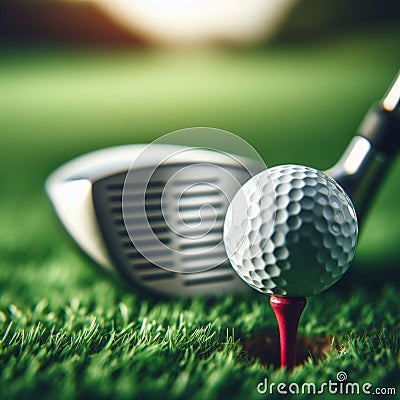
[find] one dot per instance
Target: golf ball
(291, 231)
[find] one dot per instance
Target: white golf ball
(291, 231)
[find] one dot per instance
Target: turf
(67, 331)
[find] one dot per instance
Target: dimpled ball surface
(291, 231)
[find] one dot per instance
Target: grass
(68, 332)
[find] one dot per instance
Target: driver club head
(101, 206)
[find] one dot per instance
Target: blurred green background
(74, 79)
(296, 99)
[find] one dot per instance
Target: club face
(104, 212)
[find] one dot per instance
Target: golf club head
(106, 197)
